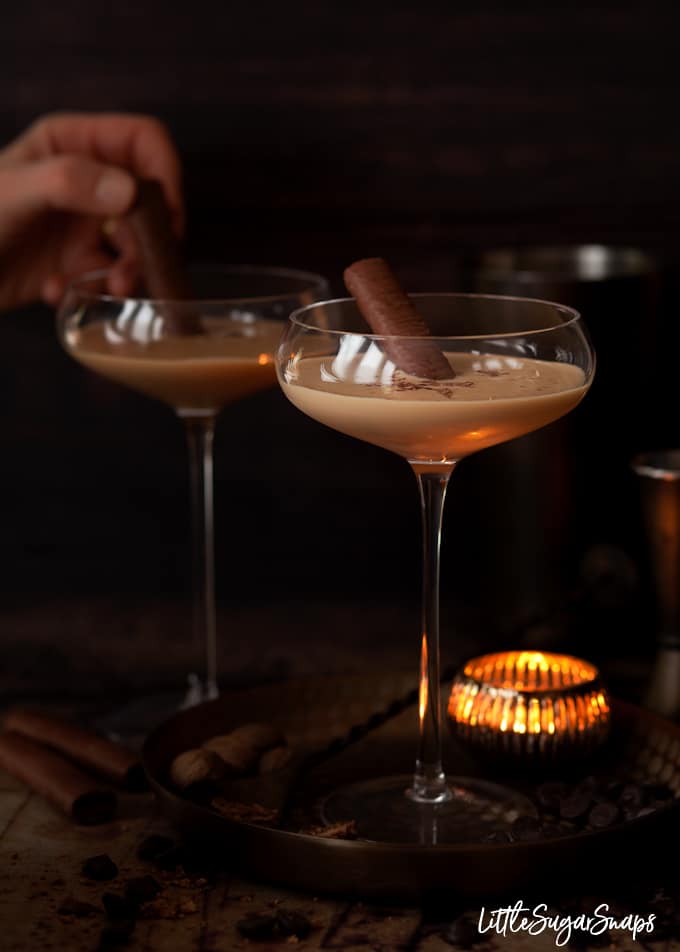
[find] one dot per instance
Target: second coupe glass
(236, 320)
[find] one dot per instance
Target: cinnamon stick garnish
(162, 264)
(390, 312)
(102, 756)
(56, 779)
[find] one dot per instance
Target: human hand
(61, 182)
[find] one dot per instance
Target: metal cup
(570, 482)
(659, 479)
(616, 291)
(558, 268)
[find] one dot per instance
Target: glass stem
(200, 434)
(429, 781)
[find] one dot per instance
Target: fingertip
(122, 278)
(52, 290)
(115, 191)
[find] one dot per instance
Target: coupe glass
(236, 321)
(519, 364)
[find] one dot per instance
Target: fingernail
(114, 190)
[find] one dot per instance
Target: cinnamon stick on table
(390, 312)
(56, 779)
(108, 760)
(162, 264)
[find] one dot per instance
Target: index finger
(141, 144)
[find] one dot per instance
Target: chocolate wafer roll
(56, 779)
(102, 756)
(389, 312)
(162, 265)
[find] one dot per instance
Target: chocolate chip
(116, 934)
(526, 829)
(576, 805)
(292, 923)
(142, 889)
(118, 908)
(170, 859)
(153, 846)
(100, 867)
(631, 797)
(550, 794)
(498, 836)
(603, 815)
(258, 927)
(614, 789)
(461, 932)
(74, 907)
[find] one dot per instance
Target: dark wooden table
(41, 854)
(41, 857)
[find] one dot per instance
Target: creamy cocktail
(196, 374)
(466, 372)
(490, 400)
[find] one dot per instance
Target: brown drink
(491, 399)
(195, 374)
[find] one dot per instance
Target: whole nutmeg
(275, 759)
(237, 757)
(240, 749)
(196, 766)
(259, 736)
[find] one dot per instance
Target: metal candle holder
(530, 705)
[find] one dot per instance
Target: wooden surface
(41, 854)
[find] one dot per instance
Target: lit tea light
(529, 704)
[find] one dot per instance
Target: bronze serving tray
(315, 711)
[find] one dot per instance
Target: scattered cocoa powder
(244, 812)
(336, 831)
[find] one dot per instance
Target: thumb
(71, 183)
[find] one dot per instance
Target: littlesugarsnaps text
(508, 920)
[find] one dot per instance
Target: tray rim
(169, 797)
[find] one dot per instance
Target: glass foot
(132, 722)
(199, 691)
(384, 813)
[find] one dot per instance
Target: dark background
(312, 134)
